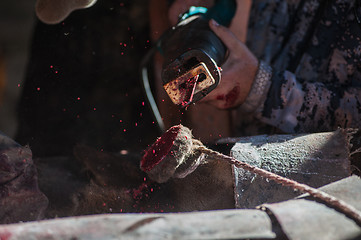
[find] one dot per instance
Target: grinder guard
(193, 54)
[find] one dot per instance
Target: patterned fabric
(261, 83)
(314, 48)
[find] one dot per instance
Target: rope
(329, 200)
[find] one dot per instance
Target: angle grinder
(193, 53)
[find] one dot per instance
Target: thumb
(227, 37)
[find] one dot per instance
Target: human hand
(238, 71)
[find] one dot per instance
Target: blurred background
(79, 82)
(17, 20)
(76, 82)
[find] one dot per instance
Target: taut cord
(329, 200)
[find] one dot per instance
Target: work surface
(268, 211)
(300, 218)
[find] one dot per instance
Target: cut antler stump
(168, 152)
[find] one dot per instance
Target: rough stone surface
(294, 219)
(303, 219)
(314, 159)
(228, 224)
(20, 197)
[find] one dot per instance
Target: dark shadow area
(83, 84)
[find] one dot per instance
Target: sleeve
(293, 107)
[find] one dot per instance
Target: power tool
(193, 53)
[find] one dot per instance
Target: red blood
(220, 97)
(5, 235)
(188, 91)
(139, 191)
(159, 150)
(231, 97)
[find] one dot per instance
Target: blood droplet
(188, 90)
